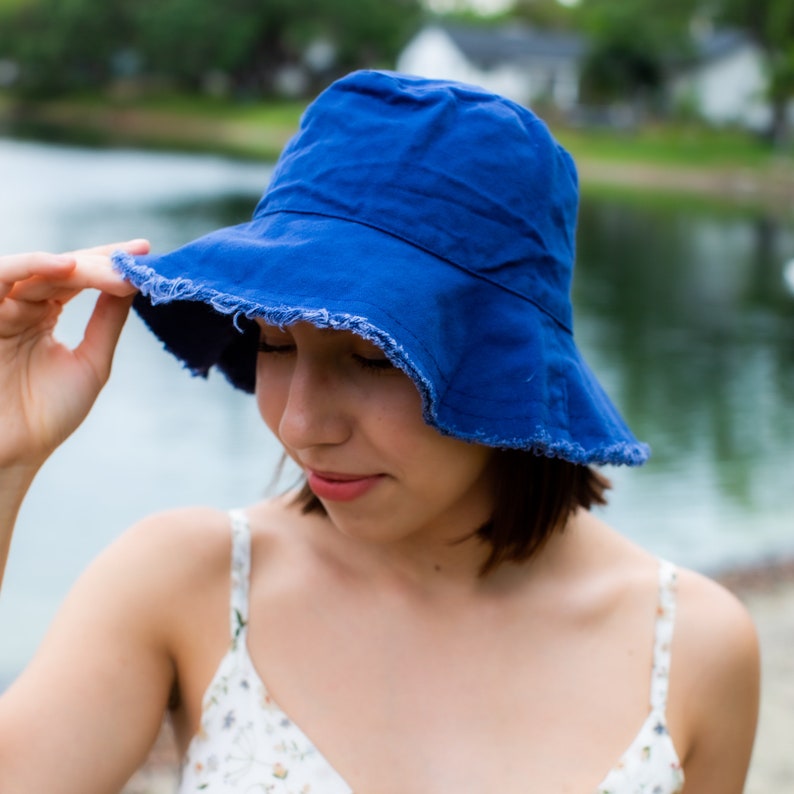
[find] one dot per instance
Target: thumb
(102, 334)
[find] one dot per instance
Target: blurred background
(162, 119)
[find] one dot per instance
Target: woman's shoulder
(714, 629)
(173, 569)
(710, 621)
(702, 602)
(708, 605)
(171, 555)
(173, 540)
(194, 541)
(715, 681)
(715, 640)
(153, 568)
(714, 660)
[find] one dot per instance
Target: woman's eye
(379, 363)
(268, 347)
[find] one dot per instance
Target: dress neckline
(238, 661)
(654, 722)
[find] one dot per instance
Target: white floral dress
(247, 745)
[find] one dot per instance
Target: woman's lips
(340, 487)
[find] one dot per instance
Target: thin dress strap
(665, 623)
(240, 575)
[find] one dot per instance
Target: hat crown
(433, 218)
(468, 176)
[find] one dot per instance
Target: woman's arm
(83, 715)
(716, 675)
(85, 712)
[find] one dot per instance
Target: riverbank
(249, 131)
(768, 593)
(721, 166)
(768, 186)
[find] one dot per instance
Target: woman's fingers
(91, 271)
(137, 246)
(23, 267)
(46, 388)
(17, 317)
(95, 271)
(40, 276)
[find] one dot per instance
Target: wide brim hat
(431, 217)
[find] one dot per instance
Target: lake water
(684, 312)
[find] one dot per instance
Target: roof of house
(490, 46)
(710, 46)
(719, 43)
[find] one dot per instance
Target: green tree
(631, 43)
(67, 44)
(63, 44)
(183, 40)
(363, 34)
(545, 14)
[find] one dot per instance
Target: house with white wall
(725, 82)
(527, 65)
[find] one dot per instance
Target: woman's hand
(46, 388)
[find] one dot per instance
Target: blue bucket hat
(431, 217)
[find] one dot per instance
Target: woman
(437, 610)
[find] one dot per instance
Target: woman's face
(353, 422)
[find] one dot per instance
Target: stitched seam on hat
(414, 244)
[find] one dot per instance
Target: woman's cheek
(271, 395)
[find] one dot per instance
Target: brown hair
(534, 497)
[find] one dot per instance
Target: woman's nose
(315, 412)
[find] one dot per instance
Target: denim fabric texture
(432, 217)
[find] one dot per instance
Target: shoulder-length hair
(535, 496)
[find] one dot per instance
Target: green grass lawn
(248, 129)
(672, 145)
(272, 112)
(260, 128)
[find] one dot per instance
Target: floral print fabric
(247, 745)
(651, 764)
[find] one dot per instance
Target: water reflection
(57, 197)
(688, 314)
(788, 275)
